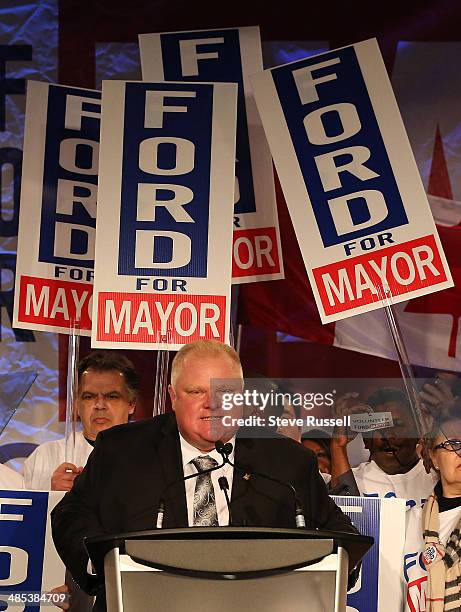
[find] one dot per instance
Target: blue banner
(339, 146)
(214, 56)
(70, 177)
(166, 177)
(23, 517)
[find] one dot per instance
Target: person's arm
(438, 396)
(76, 517)
(339, 460)
(321, 512)
(341, 473)
(63, 477)
(346, 485)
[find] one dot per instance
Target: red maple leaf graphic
(439, 179)
(447, 301)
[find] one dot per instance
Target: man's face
(394, 448)
(198, 410)
(103, 401)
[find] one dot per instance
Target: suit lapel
(170, 460)
(244, 504)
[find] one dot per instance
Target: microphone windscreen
(223, 483)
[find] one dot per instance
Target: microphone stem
(299, 515)
(160, 514)
(229, 507)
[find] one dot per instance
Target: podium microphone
(224, 486)
(225, 450)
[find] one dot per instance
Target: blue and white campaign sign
(379, 587)
(29, 564)
(351, 183)
(164, 230)
(230, 55)
(55, 261)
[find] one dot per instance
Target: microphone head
(219, 446)
(223, 483)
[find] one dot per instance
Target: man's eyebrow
(91, 392)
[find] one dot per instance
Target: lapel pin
(246, 476)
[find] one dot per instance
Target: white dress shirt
(38, 468)
(9, 479)
(189, 452)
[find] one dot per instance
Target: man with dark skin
(394, 468)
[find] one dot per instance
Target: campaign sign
(29, 564)
(230, 56)
(379, 587)
(351, 183)
(57, 221)
(164, 231)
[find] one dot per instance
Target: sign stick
(385, 295)
(72, 390)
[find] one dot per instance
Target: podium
(227, 569)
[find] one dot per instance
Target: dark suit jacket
(133, 466)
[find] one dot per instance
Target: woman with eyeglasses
(432, 563)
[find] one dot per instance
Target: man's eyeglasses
(450, 445)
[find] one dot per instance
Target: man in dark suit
(133, 466)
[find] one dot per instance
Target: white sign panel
(230, 55)
(164, 230)
(350, 180)
(54, 270)
(379, 587)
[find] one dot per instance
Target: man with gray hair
(106, 396)
(133, 468)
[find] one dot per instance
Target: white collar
(416, 471)
(189, 452)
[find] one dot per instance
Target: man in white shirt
(394, 468)
(107, 389)
(9, 479)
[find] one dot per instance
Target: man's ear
(172, 395)
(132, 406)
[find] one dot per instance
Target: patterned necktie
(205, 513)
